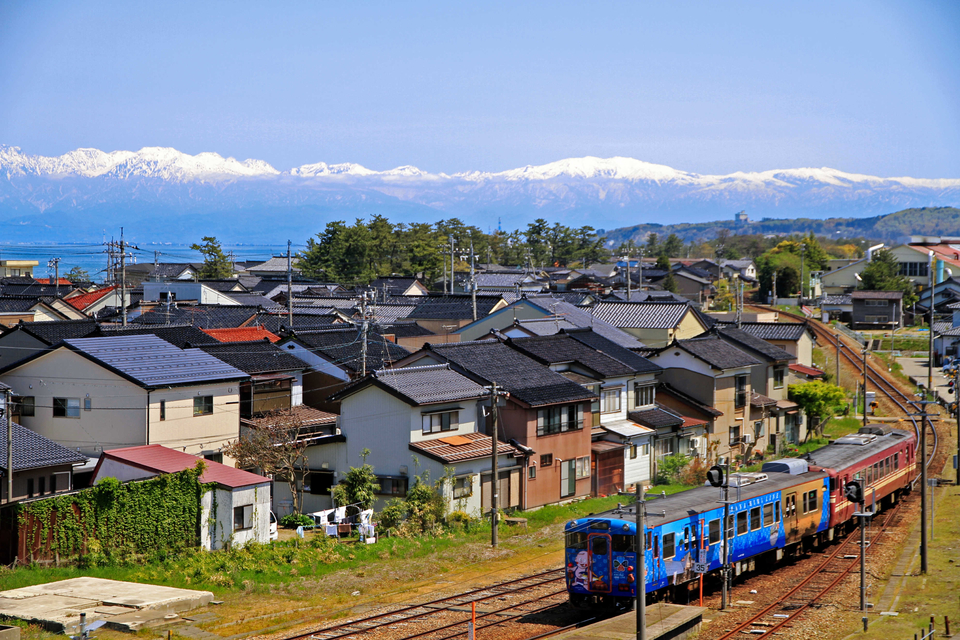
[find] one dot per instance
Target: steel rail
(317, 633)
(820, 570)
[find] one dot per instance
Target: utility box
(9, 633)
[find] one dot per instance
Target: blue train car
(770, 513)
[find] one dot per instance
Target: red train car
(883, 458)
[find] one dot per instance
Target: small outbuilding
(234, 513)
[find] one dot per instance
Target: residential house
(836, 307)
(336, 357)
(655, 324)
(796, 338)
(398, 286)
(544, 416)
(27, 308)
(27, 338)
(742, 269)
(775, 419)
(94, 303)
(443, 315)
(411, 336)
(274, 267)
(241, 334)
(276, 375)
(212, 316)
(17, 268)
(504, 282)
(844, 279)
(235, 512)
(877, 309)
(553, 311)
(623, 382)
(174, 271)
(92, 394)
(716, 374)
(203, 292)
(423, 420)
(40, 468)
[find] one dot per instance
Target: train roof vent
(877, 429)
(856, 438)
(747, 477)
(793, 466)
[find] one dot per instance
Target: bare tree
(277, 446)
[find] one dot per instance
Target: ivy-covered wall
(113, 521)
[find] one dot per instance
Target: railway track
(806, 594)
(446, 618)
(875, 376)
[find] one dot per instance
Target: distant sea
(93, 257)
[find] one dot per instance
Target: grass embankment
(295, 581)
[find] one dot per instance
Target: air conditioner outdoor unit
(748, 438)
(694, 443)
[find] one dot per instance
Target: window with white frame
(735, 433)
(644, 394)
(559, 419)
(778, 374)
(243, 517)
(583, 467)
(664, 447)
(740, 400)
(757, 430)
(437, 422)
(611, 400)
(633, 451)
(463, 486)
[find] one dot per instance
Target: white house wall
(217, 516)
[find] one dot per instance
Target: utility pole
(123, 278)
(8, 414)
(55, 264)
(738, 294)
(774, 292)
(640, 271)
(495, 394)
(956, 402)
(923, 415)
(641, 565)
(363, 332)
(289, 287)
(803, 287)
(628, 274)
(451, 263)
(864, 386)
(473, 281)
(837, 378)
(930, 283)
(156, 265)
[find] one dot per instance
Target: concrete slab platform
(57, 605)
(664, 622)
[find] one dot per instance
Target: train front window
(714, 531)
(624, 544)
(598, 545)
(669, 545)
(576, 540)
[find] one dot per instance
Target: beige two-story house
(92, 394)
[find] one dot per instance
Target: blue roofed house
(91, 394)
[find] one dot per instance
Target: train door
(791, 522)
(601, 567)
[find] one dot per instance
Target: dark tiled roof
(254, 300)
(253, 357)
(560, 348)
(225, 286)
(844, 299)
(17, 305)
(203, 316)
(525, 378)
(152, 362)
(405, 330)
(876, 295)
(646, 315)
(393, 312)
(429, 384)
(343, 347)
(546, 326)
(468, 446)
(633, 360)
(393, 286)
(717, 353)
(755, 345)
(34, 288)
(584, 317)
(173, 269)
(56, 330)
(688, 400)
(178, 334)
(32, 451)
(760, 400)
(656, 418)
(453, 308)
(301, 322)
(775, 330)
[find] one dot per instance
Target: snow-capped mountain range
(162, 190)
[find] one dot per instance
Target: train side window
(896, 461)
(669, 545)
(755, 519)
(768, 514)
(776, 515)
(647, 544)
(730, 531)
(656, 546)
(741, 523)
(714, 531)
(624, 543)
(577, 540)
(810, 501)
(889, 463)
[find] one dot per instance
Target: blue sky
(712, 87)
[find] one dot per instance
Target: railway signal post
(853, 491)
(718, 477)
(641, 566)
(923, 415)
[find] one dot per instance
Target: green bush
(669, 469)
(294, 520)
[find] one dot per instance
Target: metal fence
(856, 335)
